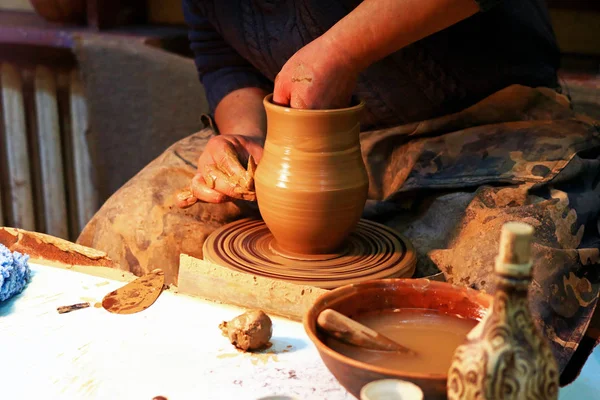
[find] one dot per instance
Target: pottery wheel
(372, 251)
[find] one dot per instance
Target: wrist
(340, 55)
(246, 130)
(242, 113)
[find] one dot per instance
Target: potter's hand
(323, 73)
(318, 76)
(221, 176)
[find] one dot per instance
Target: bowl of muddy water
(432, 318)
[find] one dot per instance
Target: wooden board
(55, 252)
(213, 282)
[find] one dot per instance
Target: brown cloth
(448, 184)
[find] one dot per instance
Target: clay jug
(505, 356)
(311, 183)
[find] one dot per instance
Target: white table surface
(174, 349)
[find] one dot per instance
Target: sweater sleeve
(220, 68)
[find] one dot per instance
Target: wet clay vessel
(386, 294)
(505, 356)
(370, 251)
(311, 183)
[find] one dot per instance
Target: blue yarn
(14, 273)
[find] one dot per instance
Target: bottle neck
(510, 300)
(513, 287)
(513, 279)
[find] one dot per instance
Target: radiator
(47, 181)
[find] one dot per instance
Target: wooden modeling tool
(136, 296)
(355, 333)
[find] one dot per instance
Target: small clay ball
(249, 331)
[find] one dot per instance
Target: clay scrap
(249, 331)
(72, 307)
(136, 296)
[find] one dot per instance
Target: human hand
(221, 176)
(318, 76)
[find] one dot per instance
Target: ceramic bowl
(391, 389)
(384, 294)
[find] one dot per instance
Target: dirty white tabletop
(173, 349)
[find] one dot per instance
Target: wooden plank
(20, 200)
(210, 281)
(52, 183)
(86, 193)
(56, 252)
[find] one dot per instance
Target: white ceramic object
(276, 397)
(391, 389)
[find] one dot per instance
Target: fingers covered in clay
(221, 176)
(233, 186)
(205, 191)
(227, 161)
(186, 199)
(217, 186)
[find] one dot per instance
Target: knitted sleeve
(220, 68)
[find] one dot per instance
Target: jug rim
(269, 104)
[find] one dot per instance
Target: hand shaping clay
(249, 331)
(243, 186)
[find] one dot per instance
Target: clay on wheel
(249, 331)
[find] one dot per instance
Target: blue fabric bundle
(14, 273)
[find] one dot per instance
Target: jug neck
(313, 130)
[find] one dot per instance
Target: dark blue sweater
(244, 43)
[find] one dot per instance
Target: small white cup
(391, 389)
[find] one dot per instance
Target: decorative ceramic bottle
(505, 356)
(311, 183)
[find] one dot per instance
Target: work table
(173, 349)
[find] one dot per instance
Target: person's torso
(446, 72)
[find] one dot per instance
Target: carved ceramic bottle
(311, 183)
(505, 356)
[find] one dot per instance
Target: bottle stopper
(514, 259)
